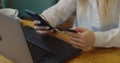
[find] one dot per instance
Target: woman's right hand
(41, 29)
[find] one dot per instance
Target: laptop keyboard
(39, 55)
(43, 53)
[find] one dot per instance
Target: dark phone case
(39, 18)
(45, 23)
(66, 29)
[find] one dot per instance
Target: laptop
(24, 45)
(12, 43)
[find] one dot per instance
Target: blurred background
(37, 6)
(0, 4)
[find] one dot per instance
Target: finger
(77, 47)
(36, 21)
(43, 32)
(78, 44)
(73, 34)
(41, 27)
(79, 29)
(84, 49)
(77, 40)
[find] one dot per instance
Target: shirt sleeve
(108, 38)
(59, 12)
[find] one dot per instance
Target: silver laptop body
(12, 42)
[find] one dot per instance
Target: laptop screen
(12, 42)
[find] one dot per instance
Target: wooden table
(97, 55)
(4, 59)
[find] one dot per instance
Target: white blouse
(107, 34)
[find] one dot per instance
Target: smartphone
(45, 23)
(66, 29)
(39, 18)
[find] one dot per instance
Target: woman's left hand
(84, 39)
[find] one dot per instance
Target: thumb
(79, 29)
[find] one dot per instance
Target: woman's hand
(41, 29)
(84, 39)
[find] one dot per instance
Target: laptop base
(48, 49)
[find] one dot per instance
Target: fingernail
(38, 22)
(52, 30)
(47, 27)
(73, 28)
(35, 27)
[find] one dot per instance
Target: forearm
(59, 12)
(108, 39)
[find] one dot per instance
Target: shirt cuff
(50, 18)
(99, 39)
